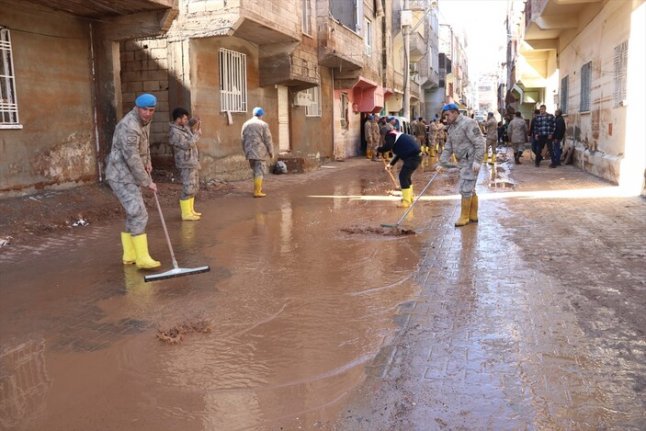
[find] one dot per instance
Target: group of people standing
(545, 131)
(129, 168)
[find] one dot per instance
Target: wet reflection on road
(296, 310)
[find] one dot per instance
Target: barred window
(621, 66)
(233, 81)
(313, 109)
(8, 99)
(564, 94)
(586, 78)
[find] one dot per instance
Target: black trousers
(410, 164)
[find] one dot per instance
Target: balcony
(123, 19)
(547, 19)
(256, 21)
(418, 47)
(289, 69)
(339, 47)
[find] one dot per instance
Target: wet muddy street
(314, 316)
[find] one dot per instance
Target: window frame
(565, 90)
(586, 87)
(620, 74)
(368, 36)
(314, 108)
(233, 89)
(9, 112)
(306, 17)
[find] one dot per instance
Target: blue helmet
(258, 111)
(450, 107)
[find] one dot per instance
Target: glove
(475, 167)
(388, 166)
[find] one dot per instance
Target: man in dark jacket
(559, 134)
(406, 148)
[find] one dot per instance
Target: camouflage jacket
(256, 140)
(130, 153)
(492, 129)
(467, 143)
(184, 143)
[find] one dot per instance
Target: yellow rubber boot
(407, 198)
(473, 212)
(464, 212)
(144, 261)
(257, 188)
(369, 153)
(192, 199)
(129, 254)
(187, 214)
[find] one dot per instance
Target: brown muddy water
(295, 309)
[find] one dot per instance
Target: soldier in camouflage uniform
(128, 168)
(491, 127)
(376, 137)
(184, 139)
(369, 137)
(466, 142)
(257, 145)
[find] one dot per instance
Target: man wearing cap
(465, 140)
(491, 127)
(257, 146)
(128, 168)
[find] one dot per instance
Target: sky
(483, 22)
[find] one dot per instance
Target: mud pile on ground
(388, 231)
(175, 334)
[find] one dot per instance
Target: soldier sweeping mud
(128, 168)
(466, 142)
(406, 148)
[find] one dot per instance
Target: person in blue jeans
(543, 133)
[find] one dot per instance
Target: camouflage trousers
(190, 182)
(133, 202)
(491, 143)
(467, 187)
(259, 168)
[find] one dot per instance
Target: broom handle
(390, 173)
(401, 219)
(170, 247)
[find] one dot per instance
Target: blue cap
(146, 100)
(450, 107)
(258, 111)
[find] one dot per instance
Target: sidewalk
(533, 319)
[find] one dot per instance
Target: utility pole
(406, 21)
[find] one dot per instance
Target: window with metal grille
(586, 76)
(564, 94)
(8, 99)
(314, 107)
(233, 81)
(307, 16)
(621, 66)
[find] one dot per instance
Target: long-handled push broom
(176, 271)
(401, 219)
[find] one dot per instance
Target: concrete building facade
(587, 59)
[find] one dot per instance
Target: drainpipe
(95, 113)
(406, 23)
